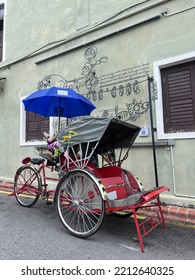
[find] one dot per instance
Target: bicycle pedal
(49, 203)
(45, 195)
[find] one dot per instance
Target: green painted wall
(123, 38)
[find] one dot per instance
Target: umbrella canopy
(58, 102)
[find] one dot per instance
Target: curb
(175, 213)
(170, 212)
(6, 186)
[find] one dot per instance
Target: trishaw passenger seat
(94, 169)
(131, 183)
(114, 177)
(111, 177)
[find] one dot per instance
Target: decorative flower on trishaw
(58, 147)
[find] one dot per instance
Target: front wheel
(80, 205)
(27, 185)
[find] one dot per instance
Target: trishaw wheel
(27, 185)
(80, 205)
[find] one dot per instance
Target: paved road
(37, 233)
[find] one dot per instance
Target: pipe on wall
(180, 11)
(102, 37)
(174, 177)
(98, 26)
(77, 35)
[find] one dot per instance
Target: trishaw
(92, 181)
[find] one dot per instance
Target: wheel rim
(80, 204)
(26, 186)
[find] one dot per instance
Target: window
(178, 89)
(175, 105)
(35, 126)
(1, 31)
(32, 127)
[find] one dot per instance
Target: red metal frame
(42, 171)
(116, 183)
(112, 177)
(152, 221)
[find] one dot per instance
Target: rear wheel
(80, 205)
(27, 186)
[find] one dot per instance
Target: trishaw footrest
(150, 223)
(128, 201)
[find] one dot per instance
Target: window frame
(157, 66)
(23, 141)
(4, 3)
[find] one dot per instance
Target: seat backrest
(110, 171)
(111, 175)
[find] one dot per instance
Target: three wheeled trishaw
(92, 181)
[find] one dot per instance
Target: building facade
(112, 52)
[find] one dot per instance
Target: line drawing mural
(132, 112)
(123, 83)
(88, 70)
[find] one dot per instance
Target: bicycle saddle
(37, 160)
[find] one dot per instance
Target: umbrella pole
(59, 114)
(59, 124)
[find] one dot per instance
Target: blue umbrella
(58, 102)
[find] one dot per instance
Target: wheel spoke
(27, 186)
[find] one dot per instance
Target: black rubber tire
(80, 205)
(26, 176)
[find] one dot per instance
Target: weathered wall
(119, 60)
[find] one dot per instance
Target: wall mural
(130, 83)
